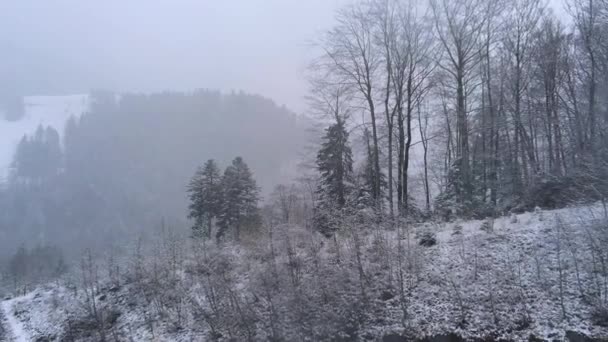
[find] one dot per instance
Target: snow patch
(16, 330)
(51, 111)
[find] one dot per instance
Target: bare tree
(585, 14)
(423, 125)
(415, 52)
(521, 28)
(285, 198)
(386, 17)
(459, 26)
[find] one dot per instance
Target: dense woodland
(425, 115)
(503, 97)
(123, 168)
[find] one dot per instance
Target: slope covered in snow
(14, 328)
(535, 276)
(51, 111)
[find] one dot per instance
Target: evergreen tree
(240, 198)
(448, 203)
(335, 163)
(52, 154)
(205, 197)
(38, 158)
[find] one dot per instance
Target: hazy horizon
(255, 46)
(71, 46)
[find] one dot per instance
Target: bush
(553, 192)
(599, 315)
(457, 230)
(487, 226)
(428, 239)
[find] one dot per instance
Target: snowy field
(51, 111)
(534, 274)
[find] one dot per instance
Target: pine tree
(448, 202)
(38, 158)
(335, 163)
(240, 197)
(205, 197)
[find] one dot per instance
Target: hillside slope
(534, 276)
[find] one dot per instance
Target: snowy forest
(446, 181)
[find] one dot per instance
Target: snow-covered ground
(14, 330)
(51, 111)
(534, 274)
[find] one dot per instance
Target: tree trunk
(427, 191)
(376, 156)
(493, 175)
(408, 143)
(401, 148)
(463, 137)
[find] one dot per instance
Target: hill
(535, 276)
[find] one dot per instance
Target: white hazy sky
(259, 46)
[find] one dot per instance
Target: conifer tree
(205, 197)
(335, 163)
(38, 158)
(240, 198)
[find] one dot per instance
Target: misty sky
(66, 46)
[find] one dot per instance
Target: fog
(54, 50)
(303, 170)
(72, 46)
(67, 46)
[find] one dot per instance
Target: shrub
(599, 315)
(487, 226)
(428, 239)
(457, 230)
